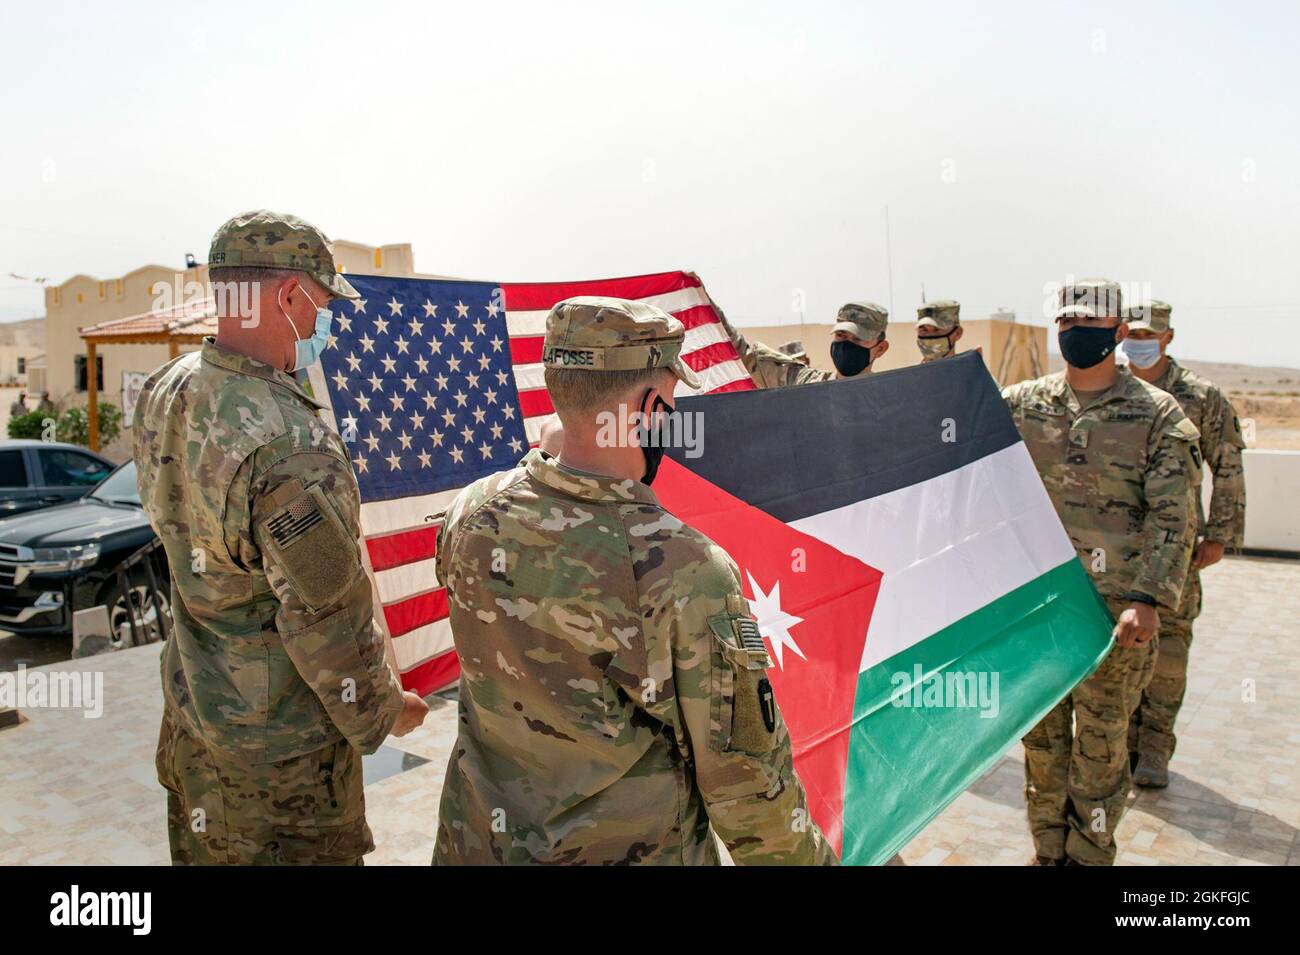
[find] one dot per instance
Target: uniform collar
(1170, 375)
(1122, 388)
(583, 484)
(214, 354)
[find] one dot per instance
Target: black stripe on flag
(803, 450)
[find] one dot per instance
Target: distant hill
(1250, 379)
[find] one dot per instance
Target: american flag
(435, 383)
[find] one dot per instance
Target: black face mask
(850, 359)
(1083, 347)
(653, 448)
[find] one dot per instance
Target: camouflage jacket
(775, 369)
(611, 696)
(273, 652)
(769, 367)
(1221, 446)
(1122, 472)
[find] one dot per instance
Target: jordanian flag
(922, 603)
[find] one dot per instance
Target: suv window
(70, 468)
(12, 472)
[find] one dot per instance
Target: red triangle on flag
(814, 606)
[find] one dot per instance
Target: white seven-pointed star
(773, 622)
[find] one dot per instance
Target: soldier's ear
(956, 334)
(666, 386)
(289, 288)
(883, 345)
(1121, 332)
(1169, 338)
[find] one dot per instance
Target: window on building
(22, 365)
(80, 371)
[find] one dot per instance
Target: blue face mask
(307, 351)
(1143, 354)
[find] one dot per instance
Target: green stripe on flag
(1026, 651)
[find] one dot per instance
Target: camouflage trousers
(1151, 730)
(1077, 777)
(308, 810)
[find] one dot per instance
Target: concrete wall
(1272, 488)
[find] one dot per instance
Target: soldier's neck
(1097, 378)
(589, 456)
(1154, 373)
(250, 342)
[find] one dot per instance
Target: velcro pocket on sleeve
(310, 546)
(744, 708)
(1185, 432)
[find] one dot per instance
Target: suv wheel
(146, 608)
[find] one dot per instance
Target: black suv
(36, 474)
(67, 557)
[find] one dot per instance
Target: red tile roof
(194, 318)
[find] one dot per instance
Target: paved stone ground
(76, 790)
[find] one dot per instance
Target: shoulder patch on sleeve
(309, 545)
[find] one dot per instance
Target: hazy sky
(756, 143)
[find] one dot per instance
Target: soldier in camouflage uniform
(274, 679)
(614, 705)
(938, 327)
(859, 339)
(1120, 463)
(1151, 732)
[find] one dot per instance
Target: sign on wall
(132, 382)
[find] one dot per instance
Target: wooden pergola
(186, 324)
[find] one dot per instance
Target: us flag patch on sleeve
(294, 521)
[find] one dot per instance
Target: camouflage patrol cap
(1101, 295)
(1074, 311)
(613, 334)
(866, 320)
(271, 240)
(1152, 316)
(943, 314)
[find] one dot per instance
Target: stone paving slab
(82, 791)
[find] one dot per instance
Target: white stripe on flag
(715, 376)
(530, 324)
(520, 323)
(405, 513)
(680, 300)
(528, 377)
(702, 336)
(422, 643)
(407, 580)
(947, 546)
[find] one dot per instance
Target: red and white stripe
(401, 536)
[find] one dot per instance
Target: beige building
(21, 343)
(1013, 351)
(83, 300)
